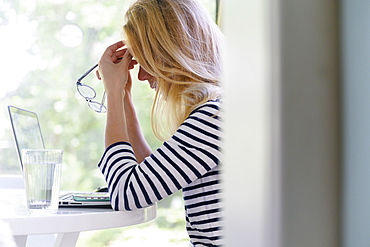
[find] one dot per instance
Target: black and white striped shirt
(190, 160)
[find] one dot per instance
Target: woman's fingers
(114, 65)
(132, 64)
(98, 75)
(114, 48)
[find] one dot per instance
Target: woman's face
(143, 75)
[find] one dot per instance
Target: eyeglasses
(89, 94)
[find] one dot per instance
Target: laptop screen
(26, 130)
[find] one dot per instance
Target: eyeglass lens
(89, 94)
(86, 91)
(98, 107)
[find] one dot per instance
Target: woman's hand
(114, 67)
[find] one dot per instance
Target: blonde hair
(177, 42)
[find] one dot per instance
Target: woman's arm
(122, 122)
(115, 129)
(193, 151)
(137, 139)
(115, 76)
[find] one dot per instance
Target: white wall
(247, 83)
(282, 131)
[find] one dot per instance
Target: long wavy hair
(178, 43)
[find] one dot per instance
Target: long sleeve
(193, 151)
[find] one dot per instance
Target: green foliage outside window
(45, 45)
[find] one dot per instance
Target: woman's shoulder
(202, 128)
(211, 106)
(208, 113)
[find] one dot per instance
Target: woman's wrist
(115, 100)
(115, 94)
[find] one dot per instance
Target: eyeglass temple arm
(87, 72)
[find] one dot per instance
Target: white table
(67, 223)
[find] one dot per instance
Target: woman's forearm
(116, 129)
(136, 136)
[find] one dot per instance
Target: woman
(177, 46)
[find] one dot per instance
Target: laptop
(27, 135)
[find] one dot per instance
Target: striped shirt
(189, 160)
